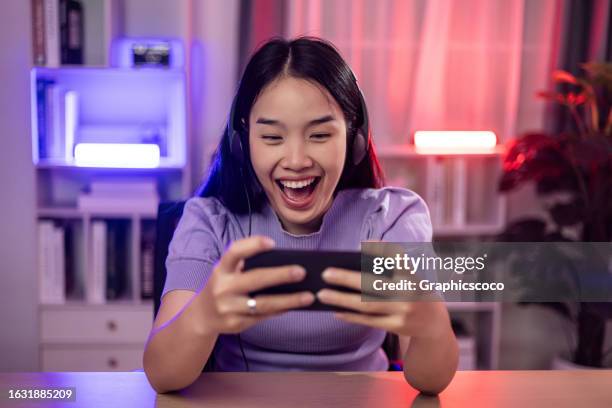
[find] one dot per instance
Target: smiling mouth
(298, 193)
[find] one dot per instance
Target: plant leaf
(564, 76)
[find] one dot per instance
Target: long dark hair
(309, 58)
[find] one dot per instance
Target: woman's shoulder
(385, 198)
(392, 213)
(206, 210)
(206, 206)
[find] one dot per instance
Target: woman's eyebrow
(274, 122)
(271, 122)
(322, 119)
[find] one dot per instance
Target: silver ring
(252, 304)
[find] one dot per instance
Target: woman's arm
(431, 361)
(179, 344)
(187, 327)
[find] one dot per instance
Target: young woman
(296, 169)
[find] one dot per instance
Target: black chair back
(168, 216)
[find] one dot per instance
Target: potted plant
(572, 173)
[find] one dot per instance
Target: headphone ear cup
(360, 147)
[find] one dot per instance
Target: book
(459, 192)
(58, 284)
(51, 263)
(96, 274)
(123, 187)
(41, 116)
(57, 121)
(71, 31)
(70, 122)
(71, 267)
(38, 32)
(435, 190)
(54, 121)
(117, 266)
(46, 263)
(52, 33)
(118, 205)
(147, 263)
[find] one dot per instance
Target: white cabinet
(94, 338)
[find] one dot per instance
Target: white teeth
(297, 184)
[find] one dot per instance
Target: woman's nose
(296, 156)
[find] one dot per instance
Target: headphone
(359, 145)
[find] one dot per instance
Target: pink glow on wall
(454, 141)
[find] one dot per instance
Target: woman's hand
(227, 291)
(423, 319)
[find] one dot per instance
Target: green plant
(572, 172)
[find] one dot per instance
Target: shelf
(81, 304)
(409, 151)
(47, 164)
(467, 230)
(75, 213)
(105, 70)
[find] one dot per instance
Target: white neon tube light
(455, 141)
(120, 155)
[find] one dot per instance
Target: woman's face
(297, 141)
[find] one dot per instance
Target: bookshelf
(97, 219)
(461, 193)
(460, 189)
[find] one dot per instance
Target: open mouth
(298, 193)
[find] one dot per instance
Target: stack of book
(57, 111)
(57, 32)
(60, 257)
(108, 274)
(51, 263)
(446, 191)
(120, 197)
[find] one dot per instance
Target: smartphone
(314, 262)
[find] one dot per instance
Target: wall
(210, 30)
(18, 287)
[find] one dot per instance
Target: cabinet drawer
(95, 326)
(91, 358)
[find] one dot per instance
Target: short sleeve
(398, 215)
(195, 247)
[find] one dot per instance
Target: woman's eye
(271, 138)
(320, 136)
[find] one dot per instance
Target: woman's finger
(343, 277)
(260, 278)
(275, 304)
(265, 304)
(378, 322)
(243, 248)
(353, 301)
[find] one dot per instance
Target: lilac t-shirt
(297, 340)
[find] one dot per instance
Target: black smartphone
(315, 262)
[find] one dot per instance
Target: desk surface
(306, 389)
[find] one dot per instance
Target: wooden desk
(304, 389)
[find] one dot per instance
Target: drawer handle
(111, 325)
(112, 362)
